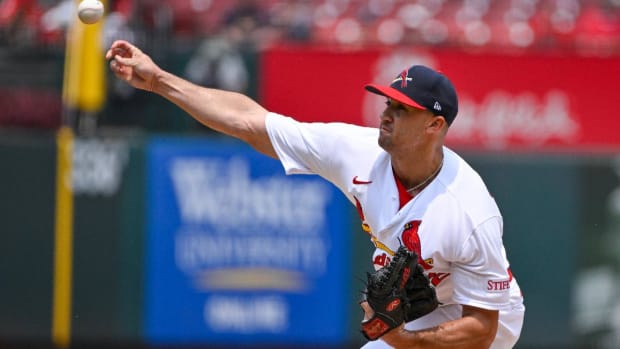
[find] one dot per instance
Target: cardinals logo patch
(411, 240)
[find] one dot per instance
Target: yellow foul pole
(83, 91)
(63, 246)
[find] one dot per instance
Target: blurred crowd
(585, 25)
(216, 42)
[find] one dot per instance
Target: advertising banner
(519, 102)
(238, 252)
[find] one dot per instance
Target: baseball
(90, 11)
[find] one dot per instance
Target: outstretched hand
(128, 63)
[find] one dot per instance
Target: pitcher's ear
(437, 123)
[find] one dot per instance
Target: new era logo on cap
(424, 88)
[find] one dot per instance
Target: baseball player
(409, 189)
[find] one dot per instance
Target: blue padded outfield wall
(238, 252)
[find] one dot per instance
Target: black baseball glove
(398, 292)
(421, 295)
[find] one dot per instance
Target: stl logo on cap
(403, 78)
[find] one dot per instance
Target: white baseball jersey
(454, 225)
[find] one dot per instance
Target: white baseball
(90, 11)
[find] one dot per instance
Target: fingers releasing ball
(90, 11)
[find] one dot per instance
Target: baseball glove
(421, 295)
(398, 292)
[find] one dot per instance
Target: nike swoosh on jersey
(357, 181)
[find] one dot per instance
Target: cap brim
(393, 93)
